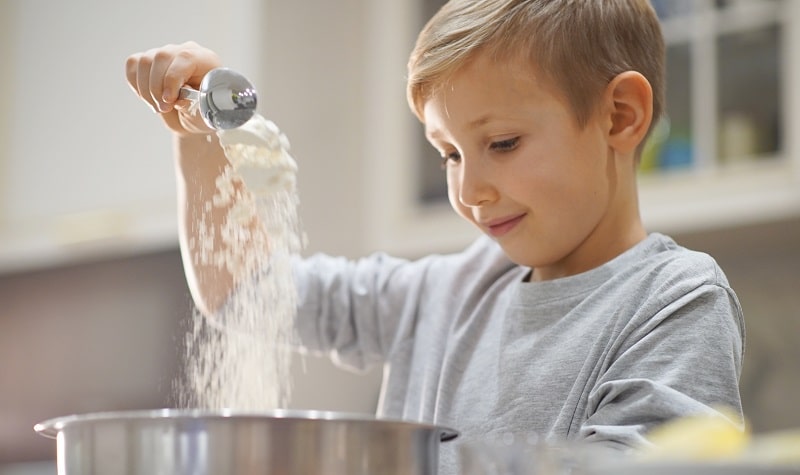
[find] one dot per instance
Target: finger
(190, 64)
(131, 68)
(143, 80)
(180, 72)
(132, 65)
(162, 60)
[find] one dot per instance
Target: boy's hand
(157, 75)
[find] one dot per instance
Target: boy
(568, 319)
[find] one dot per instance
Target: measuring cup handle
(187, 92)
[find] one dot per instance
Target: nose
(475, 186)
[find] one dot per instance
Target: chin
(517, 257)
(527, 256)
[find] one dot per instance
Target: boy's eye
(505, 145)
(452, 156)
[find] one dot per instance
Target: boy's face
(522, 170)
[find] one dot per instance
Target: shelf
(699, 200)
(69, 239)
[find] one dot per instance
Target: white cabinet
(85, 168)
(727, 153)
(728, 157)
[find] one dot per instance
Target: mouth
(502, 226)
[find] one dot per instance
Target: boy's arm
(684, 361)
(156, 76)
(199, 161)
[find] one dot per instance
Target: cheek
(581, 160)
(559, 179)
(452, 188)
(453, 192)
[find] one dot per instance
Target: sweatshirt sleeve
(353, 310)
(683, 360)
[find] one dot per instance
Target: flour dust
(240, 358)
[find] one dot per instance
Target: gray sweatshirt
(601, 356)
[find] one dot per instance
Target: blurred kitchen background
(93, 302)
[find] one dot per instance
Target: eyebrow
(435, 134)
(480, 121)
(432, 134)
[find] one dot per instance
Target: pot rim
(52, 427)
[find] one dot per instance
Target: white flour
(240, 359)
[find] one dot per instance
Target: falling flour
(239, 359)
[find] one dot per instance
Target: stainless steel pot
(189, 442)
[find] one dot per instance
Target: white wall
(85, 168)
(312, 87)
(86, 175)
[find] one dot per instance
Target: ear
(630, 103)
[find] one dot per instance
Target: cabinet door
(723, 155)
(749, 94)
(725, 87)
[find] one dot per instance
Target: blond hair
(577, 45)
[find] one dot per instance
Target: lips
(501, 226)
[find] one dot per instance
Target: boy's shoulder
(661, 262)
(667, 252)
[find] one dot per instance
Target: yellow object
(715, 439)
(698, 438)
